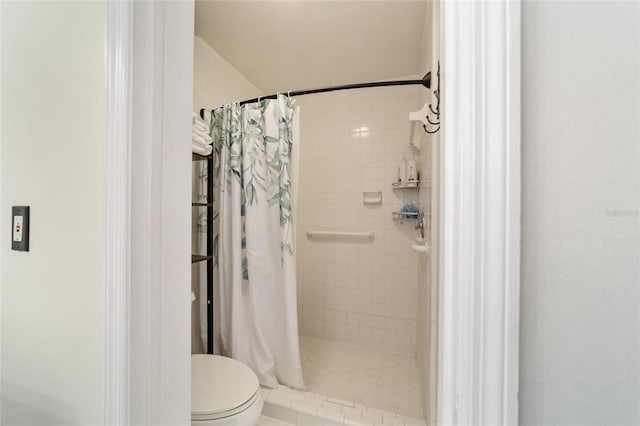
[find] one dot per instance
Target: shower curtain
(255, 312)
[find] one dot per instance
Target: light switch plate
(20, 228)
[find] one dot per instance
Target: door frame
(149, 69)
(147, 303)
(480, 213)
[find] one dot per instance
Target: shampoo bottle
(412, 173)
(402, 170)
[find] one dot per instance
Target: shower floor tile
(386, 381)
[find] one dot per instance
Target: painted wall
(215, 83)
(580, 325)
(428, 266)
(361, 292)
(51, 158)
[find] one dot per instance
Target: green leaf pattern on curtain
(237, 130)
(285, 122)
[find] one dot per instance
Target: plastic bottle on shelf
(412, 172)
(402, 170)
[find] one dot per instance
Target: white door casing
(480, 213)
(117, 212)
(149, 60)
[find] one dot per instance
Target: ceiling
(295, 45)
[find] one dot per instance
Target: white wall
(215, 83)
(580, 325)
(51, 158)
(359, 292)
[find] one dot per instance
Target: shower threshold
(302, 408)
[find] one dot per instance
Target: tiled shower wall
(356, 291)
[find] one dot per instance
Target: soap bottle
(402, 170)
(412, 172)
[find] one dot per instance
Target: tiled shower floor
(382, 380)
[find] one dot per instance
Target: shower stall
(365, 298)
(363, 291)
(358, 292)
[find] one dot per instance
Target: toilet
(224, 392)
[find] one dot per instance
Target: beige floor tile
(382, 380)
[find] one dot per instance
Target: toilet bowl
(224, 392)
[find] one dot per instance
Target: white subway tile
(407, 349)
(303, 407)
(353, 331)
(365, 319)
(304, 419)
(330, 315)
(353, 420)
(391, 323)
(330, 197)
(330, 330)
(267, 410)
(330, 417)
(284, 414)
(296, 395)
(365, 332)
(341, 331)
(352, 411)
(392, 421)
(342, 402)
(332, 406)
(378, 321)
(378, 309)
(372, 416)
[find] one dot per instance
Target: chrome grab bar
(340, 234)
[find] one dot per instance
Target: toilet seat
(216, 415)
(221, 387)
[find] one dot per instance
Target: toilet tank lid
(220, 384)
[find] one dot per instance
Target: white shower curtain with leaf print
(255, 312)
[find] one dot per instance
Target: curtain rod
(424, 81)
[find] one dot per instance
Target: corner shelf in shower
(404, 215)
(208, 258)
(412, 184)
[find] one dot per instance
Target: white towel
(201, 140)
(200, 126)
(200, 144)
(201, 133)
(199, 149)
(200, 129)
